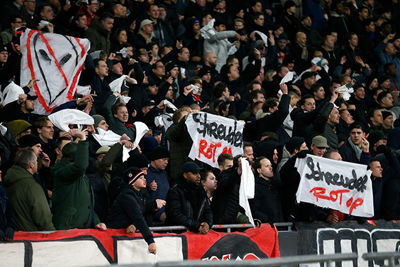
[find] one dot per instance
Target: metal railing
(227, 227)
(292, 260)
(382, 256)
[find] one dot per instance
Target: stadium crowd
(223, 57)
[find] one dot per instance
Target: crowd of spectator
(223, 57)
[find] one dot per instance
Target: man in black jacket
(187, 201)
(266, 205)
(131, 207)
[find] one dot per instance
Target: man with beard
(20, 109)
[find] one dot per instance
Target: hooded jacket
(31, 210)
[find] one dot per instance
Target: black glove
(382, 149)
(302, 154)
(2, 235)
(9, 235)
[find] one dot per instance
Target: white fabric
(345, 91)
(61, 119)
(208, 31)
(213, 135)
(83, 90)
(117, 83)
(3, 129)
(141, 130)
(106, 138)
(11, 93)
(247, 188)
(56, 61)
(288, 77)
(319, 186)
(170, 105)
(263, 37)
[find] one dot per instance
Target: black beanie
(132, 174)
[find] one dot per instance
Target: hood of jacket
(15, 175)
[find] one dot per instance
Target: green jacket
(99, 38)
(180, 145)
(73, 201)
(116, 125)
(31, 210)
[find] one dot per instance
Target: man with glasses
(15, 23)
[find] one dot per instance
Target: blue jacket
(161, 179)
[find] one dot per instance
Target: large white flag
(337, 185)
(56, 61)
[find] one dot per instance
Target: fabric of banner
(213, 135)
(337, 185)
(94, 247)
(56, 61)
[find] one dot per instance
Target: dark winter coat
(188, 205)
(98, 36)
(129, 208)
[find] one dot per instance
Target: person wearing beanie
(73, 205)
(131, 208)
(387, 124)
(157, 178)
(20, 128)
(188, 203)
(100, 122)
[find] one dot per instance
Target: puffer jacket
(98, 36)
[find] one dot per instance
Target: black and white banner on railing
(213, 135)
(337, 185)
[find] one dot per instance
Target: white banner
(337, 185)
(56, 61)
(213, 135)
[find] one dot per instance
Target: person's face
(303, 147)
(148, 29)
(192, 177)
(160, 164)
(388, 122)
(174, 72)
(335, 156)
(334, 116)
(82, 22)
(103, 125)
(47, 13)
(154, 12)
(30, 5)
(257, 7)
(29, 105)
(185, 55)
(122, 37)
(371, 27)
(196, 27)
(390, 49)
(37, 149)
(275, 156)
(228, 163)
(144, 58)
(282, 44)
(318, 151)
(307, 21)
(140, 183)
(146, 109)
(309, 104)
(259, 21)
(234, 72)
(356, 136)
(3, 56)
(260, 97)
(170, 93)
(205, 20)
(283, 71)
(302, 39)
(122, 114)
(16, 24)
(364, 13)
(102, 69)
(94, 6)
(100, 157)
(320, 93)
(212, 58)
(160, 69)
(108, 24)
(201, 3)
(117, 68)
(374, 84)
(210, 184)
(206, 77)
(226, 94)
(354, 40)
(238, 25)
(34, 165)
(220, 28)
(309, 81)
(47, 131)
(248, 153)
(377, 118)
(347, 117)
(153, 89)
(376, 169)
(360, 93)
(266, 170)
(387, 101)
(386, 84)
